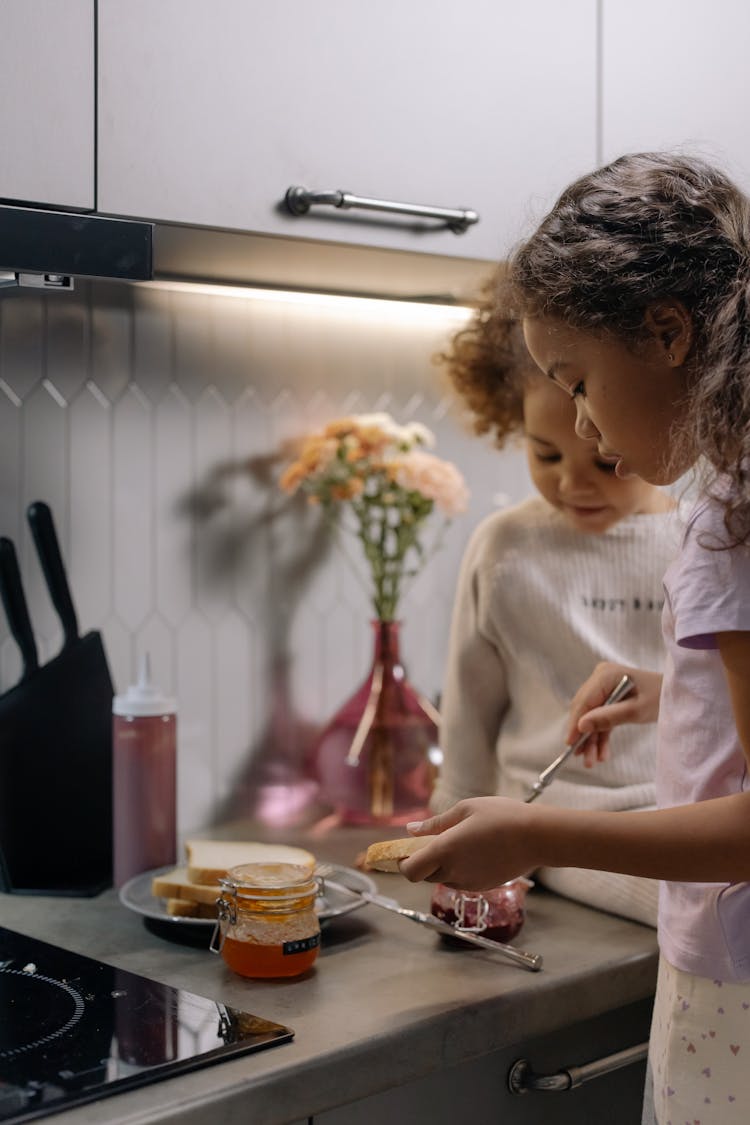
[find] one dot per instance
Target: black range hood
(48, 248)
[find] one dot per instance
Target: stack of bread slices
(191, 891)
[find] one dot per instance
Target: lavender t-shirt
(704, 928)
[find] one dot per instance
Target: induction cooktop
(73, 1029)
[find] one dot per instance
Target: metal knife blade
(531, 961)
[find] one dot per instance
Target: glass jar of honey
(267, 924)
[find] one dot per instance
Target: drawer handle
(299, 200)
(522, 1079)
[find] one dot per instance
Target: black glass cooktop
(73, 1029)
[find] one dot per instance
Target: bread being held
(386, 855)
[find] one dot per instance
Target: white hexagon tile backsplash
(151, 423)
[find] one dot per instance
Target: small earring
(670, 357)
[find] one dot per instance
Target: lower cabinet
(477, 1090)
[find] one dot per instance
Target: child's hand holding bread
(479, 843)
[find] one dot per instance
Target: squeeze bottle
(144, 778)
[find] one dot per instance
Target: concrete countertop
(386, 1003)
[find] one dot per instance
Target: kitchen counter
(388, 1003)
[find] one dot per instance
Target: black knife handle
(16, 609)
(48, 548)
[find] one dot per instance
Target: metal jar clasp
(483, 909)
(226, 910)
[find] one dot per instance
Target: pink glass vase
(376, 760)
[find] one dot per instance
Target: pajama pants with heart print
(699, 1050)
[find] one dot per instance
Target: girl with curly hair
(635, 298)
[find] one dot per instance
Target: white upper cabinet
(676, 76)
(47, 92)
(210, 109)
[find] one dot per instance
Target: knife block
(56, 776)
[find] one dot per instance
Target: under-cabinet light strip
(402, 310)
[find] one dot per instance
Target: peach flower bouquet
(381, 473)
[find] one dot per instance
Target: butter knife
(623, 688)
(530, 961)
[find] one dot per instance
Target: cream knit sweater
(538, 604)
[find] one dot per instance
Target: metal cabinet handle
(522, 1079)
(300, 199)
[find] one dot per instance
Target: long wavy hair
(487, 365)
(647, 228)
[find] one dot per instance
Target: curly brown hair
(487, 365)
(650, 227)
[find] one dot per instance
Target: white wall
(149, 422)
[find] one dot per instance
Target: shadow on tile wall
(287, 541)
(151, 422)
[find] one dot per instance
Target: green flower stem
(389, 532)
(388, 523)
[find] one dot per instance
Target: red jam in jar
(267, 923)
(497, 914)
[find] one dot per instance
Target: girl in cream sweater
(547, 589)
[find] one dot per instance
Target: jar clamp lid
(269, 882)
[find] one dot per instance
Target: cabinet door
(47, 102)
(477, 1091)
(208, 112)
(675, 75)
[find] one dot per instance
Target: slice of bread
(209, 860)
(175, 884)
(387, 854)
(182, 908)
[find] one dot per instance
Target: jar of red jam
(497, 914)
(267, 925)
